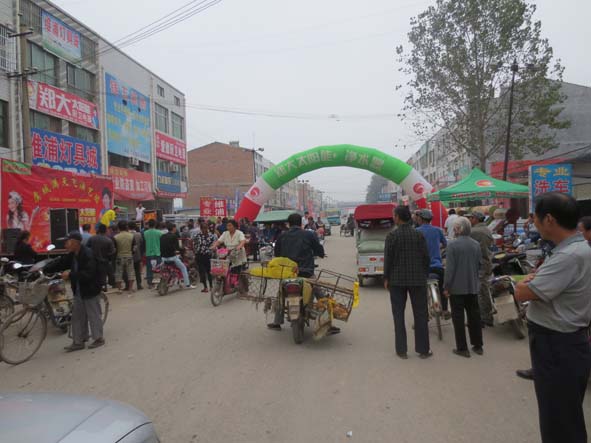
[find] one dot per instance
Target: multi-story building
(92, 108)
(227, 171)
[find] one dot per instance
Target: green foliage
(459, 70)
(374, 188)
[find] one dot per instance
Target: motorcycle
(227, 279)
(506, 308)
(511, 263)
(171, 275)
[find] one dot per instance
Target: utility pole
(514, 69)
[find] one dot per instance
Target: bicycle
(434, 303)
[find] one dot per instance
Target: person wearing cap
(110, 216)
(483, 236)
(79, 267)
(435, 240)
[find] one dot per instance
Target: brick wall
(217, 170)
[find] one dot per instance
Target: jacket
(463, 261)
(406, 257)
(24, 253)
(86, 275)
(103, 249)
(169, 245)
(484, 237)
(301, 247)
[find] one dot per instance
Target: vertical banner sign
(61, 104)
(60, 39)
(171, 149)
(29, 192)
(128, 120)
(550, 178)
(130, 184)
(65, 153)
(212, 207)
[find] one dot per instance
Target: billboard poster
(550, 178)
(212, 207)
(128, 120)
(65, 153)
(169, 148)
(61, 104)
(130, 184)
(29, 192)
(169, 185)
(60, 39)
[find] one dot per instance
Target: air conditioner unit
(134, 161)
(173, 168)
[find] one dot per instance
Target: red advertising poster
(131, 185)
(169, 148)
(29, 192)
(58, 103)
(212, 207)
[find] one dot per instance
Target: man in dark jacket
(79, 266)
(406, 268)
(103, 249)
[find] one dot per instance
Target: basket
(262, 288)
(31, 293)
(219, 267)
(334, 292)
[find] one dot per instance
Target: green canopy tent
(275, 216)
(476, 186)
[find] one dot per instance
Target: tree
(374, 189)
(459, 73)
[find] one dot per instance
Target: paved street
(218, 375)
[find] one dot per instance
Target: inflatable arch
(353, 156)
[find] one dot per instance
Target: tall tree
(459, 69)
(374, 188)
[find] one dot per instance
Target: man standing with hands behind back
(558, 319)
(406, 268)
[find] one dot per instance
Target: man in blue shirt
(435, 239)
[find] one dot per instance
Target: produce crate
(334, 293)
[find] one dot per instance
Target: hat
(476, 214)
(425, 214)
(74, 235)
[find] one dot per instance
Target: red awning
(374, 211)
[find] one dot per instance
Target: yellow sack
(355, 294)
(279, 267)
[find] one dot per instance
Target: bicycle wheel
(21, 335)
(217, 291)
(104, 302)
(6, 307)
(163, 286)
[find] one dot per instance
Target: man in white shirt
(139, 213)
(449, 223)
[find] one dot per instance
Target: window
(161, 118)
(80, 82)
(3, 124)
(45, 63)
(7, 51)
(177, 125)
(83, 133)
(42, 121)
(160, 90)
(177, 101)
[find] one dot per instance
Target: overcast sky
(311, 60)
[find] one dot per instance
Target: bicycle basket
(219, 267)
(31, 293)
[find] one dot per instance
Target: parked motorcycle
(506, 308)
(511, 263)
(226, 280)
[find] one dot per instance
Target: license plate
(379, 269)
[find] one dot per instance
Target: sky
(325, 70)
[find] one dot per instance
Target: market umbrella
(478, 185)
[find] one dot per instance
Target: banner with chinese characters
(550, 178)
(129, 184)
(169, 185)
(66, 153)
(61, 104)
(128, 120)
(212, 207)
(169, 148)
(29, 192)
(60, 39)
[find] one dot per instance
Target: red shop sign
(129, 184)
(169, 148)
(212, 207)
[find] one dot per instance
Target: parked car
(64, 418)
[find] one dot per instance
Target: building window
(42, 121)
(45, 63)
(161, 118)
(160, 90)
(177, 124)
(86, 134)
(3, 124)
(177, 101)
(80, 82)
(7, 51)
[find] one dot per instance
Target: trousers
(179, 264)
(418, 300)
(561, 364)
(84, 312)
(204, 268)
(149, 268)
(469, 304)
(484, 296)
